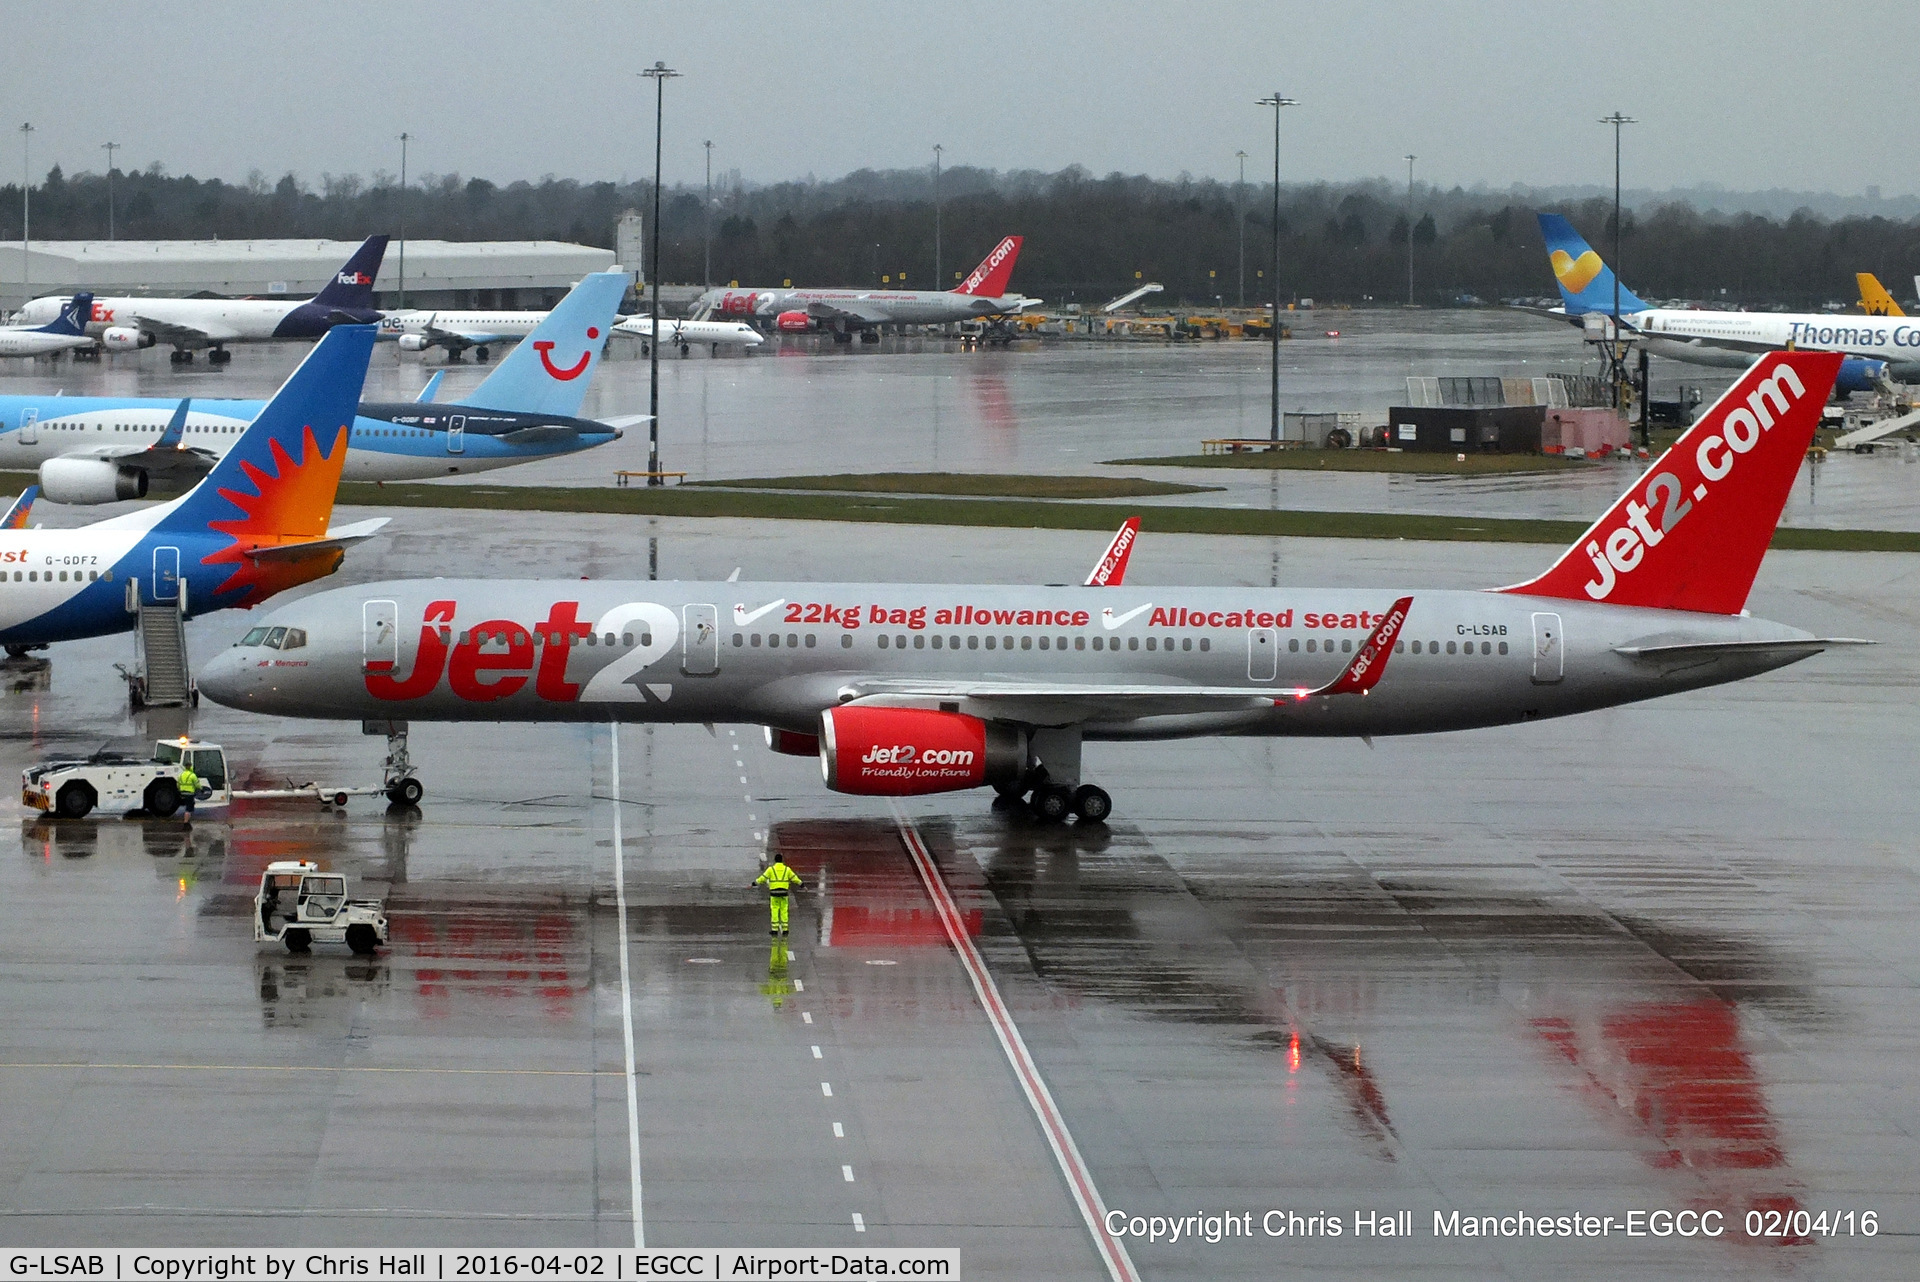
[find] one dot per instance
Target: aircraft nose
(229, 678)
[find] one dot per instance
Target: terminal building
(504, 274)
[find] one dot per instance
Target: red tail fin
(1690, 533)
(1111, 569)
(989, 279)
(1370, 664)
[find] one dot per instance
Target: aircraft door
(700, 640)
(1549, 649)
(166, 574)
(379, 636)
(30, 426)
(1263, 654)
(457, 434)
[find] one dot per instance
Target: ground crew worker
(189, 788)
(779, 881)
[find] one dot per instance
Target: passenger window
(773, 640)
(1503, 647)
(900, 643)
(1006, 643)
(883, 640)
(920, 643)
(296, 639)
(1080, 643)
(793, 640)
(1151, 642)
(754, 641)
(1486, 647)
(63, 576)
(626, 639)
(1186, 643)
(1450, 649)
(1133, 643)
(1043, 643)
(1293, 644)
(1026, 643)
(739, 639)
(953, 643)
(990, 642)
(846, 640)
(1206, 643)
(1099, 643)
(92, 575)
(1313, 646)
(936, 642)
(1346, 646)
(33, 576)
(973, 643)
(1399, 647)
(811, 638)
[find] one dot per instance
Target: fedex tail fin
(549, 371)
(352, 285)
(1586, 283)
(1874, 298)
(277, 484)
(73, 318)
(16, 517)
(989, 279)
(1690, 533)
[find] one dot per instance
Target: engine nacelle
(907, 752)
(794, 322)
(88, 480)
(126, 338)
(1857, 374)
(413, 342)
(789, 743)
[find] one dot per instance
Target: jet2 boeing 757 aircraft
(255, 526)
(906, 689)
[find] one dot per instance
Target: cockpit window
(255, 637)
(274, 637)
(296, 637)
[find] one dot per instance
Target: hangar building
(502, 274)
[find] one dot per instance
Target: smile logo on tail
(579, 367)
(1576, 273)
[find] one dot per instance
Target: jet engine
(89, 480)
(1858, 374)
(126, 338)
(413, 342)
(907, 752)
(794, 322)
(791, 744)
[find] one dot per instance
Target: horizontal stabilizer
(433, 386)
(1781, 645)
(339, 538)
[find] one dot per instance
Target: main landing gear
(1051, 787)
(180, 356)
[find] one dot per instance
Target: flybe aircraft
(93, 449)
(906, 689)
(845, 311)
(255, 526)
(189, 324)
(1877, 347)
(416, 331)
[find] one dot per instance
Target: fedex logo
(1623, 549)
(906, 754)
(354, 278)
(102, 314)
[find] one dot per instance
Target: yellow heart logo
(1576, 273)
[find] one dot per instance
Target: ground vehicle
(72, 789)
(320, 912)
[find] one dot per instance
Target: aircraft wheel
(162, 798)
(362, 939)
(1051, 804)
(480, 354)
(75, 801)
(298, 940)
(173, 357)
(18, 651)
(406, 792)
(1092, 804)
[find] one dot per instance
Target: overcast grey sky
(1749, 95)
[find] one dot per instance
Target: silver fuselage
(780, 653)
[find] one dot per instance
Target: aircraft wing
(1045, 702)
(852, 309)
(175, 332)
(339, 538)
(447, 335)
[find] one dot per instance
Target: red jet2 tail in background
(1690, 533)
(989, 279)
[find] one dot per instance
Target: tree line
(1087, 238)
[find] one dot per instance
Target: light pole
(1276, 102)
(1619, 354)
(1410, 159)
(706, 222)
(26, 213)
(659, 73)
(1240, 216)
(937, 149)
(405, 138)
(109, 148)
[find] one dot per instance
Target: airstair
(161, 677)
(1124, 299)
(1875, 431)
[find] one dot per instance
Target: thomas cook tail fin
(1874, 298)
(1586, 283)
(991, 277)
(549, 371)
(1690, 533)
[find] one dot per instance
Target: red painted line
(1113, 1253)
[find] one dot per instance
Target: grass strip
(977, 484)
(686, 500)
(1403, 463)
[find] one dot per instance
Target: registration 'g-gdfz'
(906, 689)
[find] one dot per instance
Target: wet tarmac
(1654, 958)
(925, 404)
